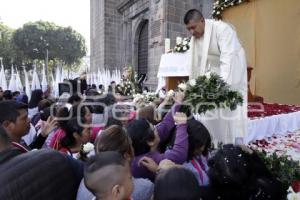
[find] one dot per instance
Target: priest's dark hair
(192, 14)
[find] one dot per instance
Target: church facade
(132, 32)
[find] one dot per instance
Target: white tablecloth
(272, 125)
(174, 64)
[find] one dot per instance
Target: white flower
(137, 98)
(192, 82)
(184, 48)
(293, 196)
(88, 147)
(208, 74)
(182, 86)
(178, 40)
(170, 93)
(217, 2)
(218, 12)
(290, 190)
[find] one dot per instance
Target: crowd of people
(140, 151)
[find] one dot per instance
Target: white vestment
(220, 51)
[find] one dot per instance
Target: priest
(215, 48)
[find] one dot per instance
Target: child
(199, 144)
(75, 137)
(108, 177)
(176, 183)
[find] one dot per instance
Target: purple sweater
(177, 154)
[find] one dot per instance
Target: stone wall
(116, 24)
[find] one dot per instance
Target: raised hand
(179, 96)
(149, 163)
(49, 126)
(180, 118)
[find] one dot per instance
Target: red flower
(270, 109)
(296, 186)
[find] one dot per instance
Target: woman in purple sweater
(146, 138)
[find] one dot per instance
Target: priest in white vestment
(215, 47)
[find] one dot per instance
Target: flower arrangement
(283, 168)
(85, 150)
(145, 97)
(150, 96)
(208, 93)
(182, 45)
(220, 5)
(128, 85)
(126, 88)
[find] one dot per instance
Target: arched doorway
(143, 49)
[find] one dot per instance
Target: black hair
(92, 92)
(36, 97)
(113, 121)
(109, 89)
(45, 114)
(22, 98)
(9, 110)
(198, 137)
(176, 183)
(16, 93)
(82, 110)
(44, 104)
(94, 86)
(237, 174)
(229, 166)
(74, 98)
(140, 133)
(192, 14)
(108, 99)
(4, 138)
(98, 108)
(98, 162)
(72, 126)
(62, 112)
(7, 95)
(104, 159)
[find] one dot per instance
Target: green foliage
(220, 5)
(126, 88)
(63, 44)
(210, 93)
(284, 169)
(7, 50)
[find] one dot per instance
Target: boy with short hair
(108, 176)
